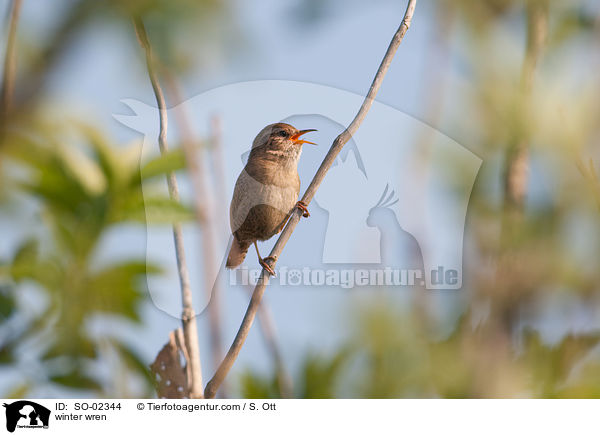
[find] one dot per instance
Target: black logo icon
(26, 414)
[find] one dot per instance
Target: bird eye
(283, 133)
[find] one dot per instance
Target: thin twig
(219, 209)
(217, 163)
(204, 208)
(190, 330)
(73, 21)
(336, 147)
(516, 170)
(10, 63)
(517, 159)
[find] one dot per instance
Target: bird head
(280, 140)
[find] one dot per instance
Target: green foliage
(573, 23)
(552, 366)
(320, 375)
(7, 303)
(172, 161)
(391, 356)
(255, 386)
(171, 25)
(319, 378)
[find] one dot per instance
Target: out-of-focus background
(514, 82)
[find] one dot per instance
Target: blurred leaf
(571, 23)
(18, 392)
(134, 361)
(83, 169)
(27, 252)
(119, 164)
(55, 185)
(255, 386)
(394, 363)
(77, 380)
(586, 385)
(7, 303)
(552, 365)
(172, 161)
(451, 375)
(27, 265)
(320, 376)
(156, 210)
(25, 261)
(116, 288)
(70, 346)
(7, 353)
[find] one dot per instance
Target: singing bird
(266, 192)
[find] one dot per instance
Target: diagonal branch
(190, 330)
(336, 147)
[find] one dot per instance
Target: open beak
(296, 138)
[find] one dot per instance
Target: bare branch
(10, 62)
(336, 147)
(190, 330)
(217, 163)
(205, 211)
(517, 159)
(516, 170)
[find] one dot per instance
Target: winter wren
(266, 192)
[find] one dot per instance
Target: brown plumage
(266, 192)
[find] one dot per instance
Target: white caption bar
(299, 416)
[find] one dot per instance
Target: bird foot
(264, 263)
(302, 206)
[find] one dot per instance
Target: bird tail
(237, 253)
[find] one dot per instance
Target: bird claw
(266, 266)
(302, 206)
